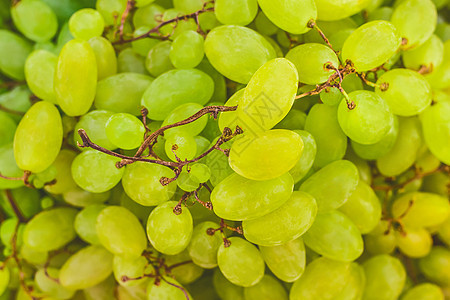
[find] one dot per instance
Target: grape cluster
(224, 150)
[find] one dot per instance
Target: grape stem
(126, 12)
(26, 179)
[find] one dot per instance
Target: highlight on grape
(224, 149)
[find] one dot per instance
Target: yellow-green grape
(143, 46)
(167, 289)
(183, 112)
(404, 152)
(429, 54)
(125, 268)
(237, 198)
(158, 60)
(369, 121)
(32, 256)
(330, 10)
(39, 73)
(264, 25)
(14, 51)
(130, 61)
(323, 279)
(86, 268)
(182, 25)
(421, 209)
(200, 171)
(380, 243)
(35, 19)
(436, 130)
(76, 77)
(173, 238)
(49, 286)
(241, 262)
(371, 45)
(426, 291)
(427, 162)
(50, 230)
(335, 236)
(105, 56)
(141, 182)
(266, 156)
(185, 273)
(225, 288)
(306, 160)
(415, 21)
(235, 12)
(322, 123)
(268, 288)
(287, 223)
(85, 222)
(110, 9)
(122, 92)
(294, 120)
(187, 50)
(95, 171)
(440, 77)
(94, 123)
(354, 288)
(414, 242)
(7, 231)
(203, 246)
(81, 198)
(38, 137)
(187, 182)
(385, 278)
(161, 97)
(147, 15)
(332, 185)
(363, 208)
(7, 130)
(237, 52)
(64, 180)
(435, 266)
(311, 61)
(181, 146)
(125, 131)
(8, 167)
(86, 23)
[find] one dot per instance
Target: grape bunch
(225, 150)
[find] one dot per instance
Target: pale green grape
(86, 268)
(187, 182)
(95, 171)
(147, 16)
(64, 180)
(182, 112)
(81, 198)
(85, 222)
(200, 171)
(35, 19)
(76, 77)
(330, 10)
(264, 25)
(165, 291)
(225, 288)
(235, 12)
(295, 119)
(430, 54)
(268, 288)
(192, 86)
(39, 73)
(185, 148)
(187, 50)
(427, 162)
(331, 96)
(425, 291)
(33, 256)
(86, 23)
(435, 265)
(130, 61)
(371, 45)
(4, 280)
(38, 137)
(287, 223)
(158, 59)
(7, 231)
(8, 167)
(105, 56)
(203, 247)
(369, 121)
(17, 99)
(379, 242)
(130, 267)
(110, 9)
(186, 273)
(188, 6)
(173, 238)
(125, 131)
(332, 185)
(7, 130)
(266, 156)
(143, 46)
(241, 262)
(238, 198)
(141, 182)
(14, 51)
(220, 89)
(122, 92)
(49, 286)
(354, 288)
(237, 52)
(94, 123)
(414, 242)
(50, 230)
(415, 21)
(440, 77)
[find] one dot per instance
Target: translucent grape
(424, 291)
(105, 56)
(435, 265)
(185, 273)
(147, 15)
(235, 12)
(130, 61)
(183, 112)
(130, 267)
(267, 288)
(430, 54)
(64, 180)
(85, 222)
(109, 9)
(187, 50)
(158, 60)
(203, 247)
(14, 51)
(49, 286)
(94, 123)
(182, 145)
(176, 29)
(414, 242)
(39, 72)
(86, 23)
(440, 77)
(329, 10)
(166, 291)
(125, 131)
(143, 46)
(81, 198)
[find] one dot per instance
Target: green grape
(110, 9)
(313, 69)
(323, 279)
(363, 208)
(415, 21)
(237, 52)
(220, 89)
(338, 39)
(17, 99)
(28, 204)
(129, 61)
(143, 46)
(444, 232)
(371, 45)
(39, 73)
(141, 182)
(264, 25)
(172, 29)
(173, 238)
(330, 10)
(435, 265)
(122, 92)
(38, 137)
(201, 172)
(226, 289)
(381, 148)
(404, 152)
(85, 222)
(331, 96)
(125, 131)
(380, 242)
(185, 148)
(187, 50)
(295, 119)
(182, 112)
(291, 16)
(4, 281)
(266, 156)
(355, 286)
(192, 86)
(426, 210)
(147, 16)
(368, 122)
(429, 54)
(50, 230)
(238, 198)
(203, 246)
(188, 6)
(7, 231)
(95, 171)
(120, 232)
(158, 59)
(364, 170)
(218, 164)
(35, 19)
(130, 267)
(332, 185)
(414, 242)
(94, 123)
(104, 290)
(241, 262)
(287, 223)
(81, 198)
(86, 268)
(268, 288)
(32, 256)
(76, 77)
(7, 130)
(64, 180)
(440, 77)
(51, 287)
(425, 291)
(86, 23)
(8, 167)
(166, 291)
(334, 236)
(13, 54)
(407, 93)
(331, 141)
(427, 162)
(235, 12)
(105, 56)
(186, 273)
(230, 119)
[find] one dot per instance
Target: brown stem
(126, 12)
(17, 212)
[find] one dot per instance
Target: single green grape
(81, 198)
(131, 267)
(306, 160)
(186, 273)
(268, 288)
(181, 146)
(51, 287)
(435, 265)
(166, 291)
(4, 280)
(158, 61)
(427, 291)
(147, 15)
(94, 123)
(128, 61)
(110, 9)
(39, 73)
(203, 246)
(235, 12)
(187, 182)
(294, 120)
(85, 221)
(429, 54)
(440, 77)
(86, 23)
(330, 10)
(187, 50)
(14, 51)
(414, 243)
(264, 25)
(105, 56)
(143, 46)
(181, 113)
(125, 131)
